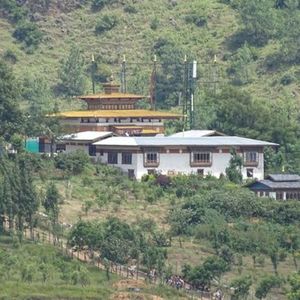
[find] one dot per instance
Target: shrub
(106, 23)
(9, 55)
(287, 79)
(196, 19)
(28, 33)
(154, 23)
(130, 9)
(99, 4)
(74, 162)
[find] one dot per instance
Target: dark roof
(284, 177)
(274, 185)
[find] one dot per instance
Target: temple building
(117, 113)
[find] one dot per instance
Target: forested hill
(256, 76)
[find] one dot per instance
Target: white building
(181, 155)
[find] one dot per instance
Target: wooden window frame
(111, 159)
(151, 162)
(126, 158)
(201, 162)
(249, 161)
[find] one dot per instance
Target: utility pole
(93, 73)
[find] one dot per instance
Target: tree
(233, 172)
(11, 118)
(240, 287)
(50, 204)
(294, 281)
(201, 276)
(265, 285)
(28, 33)
(259, 18)
(72, 73)
(169, 78)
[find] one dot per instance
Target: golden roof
(149, 131)
(128, 127)
(133, 113)
(111, 96)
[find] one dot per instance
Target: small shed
(278, 186)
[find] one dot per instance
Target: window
(92, 150)
(200, 172)
(249, 173)
(201, 157)
(267, 194)
(251, 157)
(131, 174)
(292, 196)
(112, 158)
(151, 158)
(279, 195)
(126, 158)
(261, 194)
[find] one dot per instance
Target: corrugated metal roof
(259, 185)
(86, 136)
(133, 113)
(284, 177)
(183, 141)
(196, 133)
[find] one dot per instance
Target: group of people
(176, 282)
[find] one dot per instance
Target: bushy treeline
(120, 243)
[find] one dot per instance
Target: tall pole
(193, 81)
(93, 73)
(185, 94)
(215, 74)
(153, 84)
(124, 83)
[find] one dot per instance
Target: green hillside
(199, 29)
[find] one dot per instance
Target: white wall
(180, 163)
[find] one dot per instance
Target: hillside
(200, 29)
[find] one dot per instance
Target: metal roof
(269, 184)
(284, 177)
(182, 141)
(197, 133)
(86, 136)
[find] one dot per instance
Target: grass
(15, 257)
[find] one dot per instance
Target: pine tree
(72, 74)
(11, 119)
(51, 205)
(28, 194)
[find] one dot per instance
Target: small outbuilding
(83, 141)
(278, 186)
